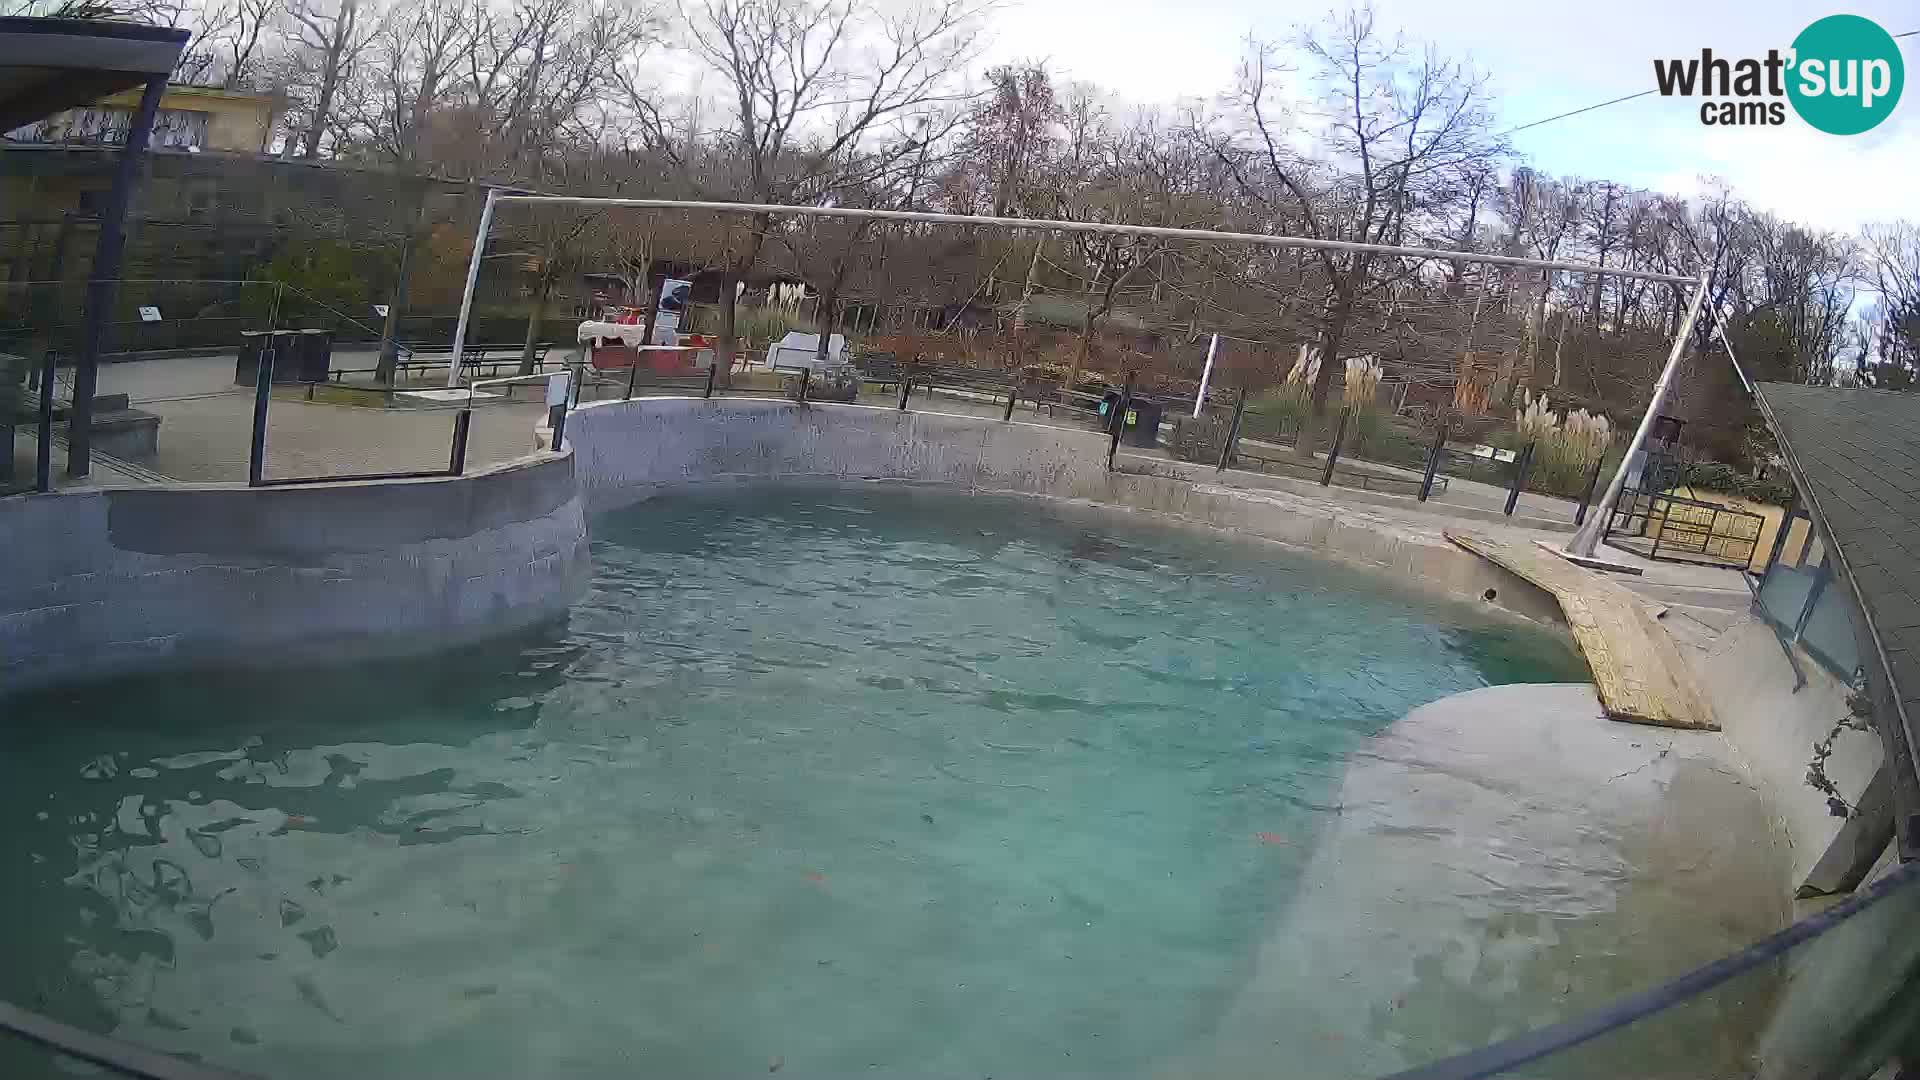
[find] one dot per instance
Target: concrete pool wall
(631, 450)
(99, 582)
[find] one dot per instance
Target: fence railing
(461, 401)
(1676, 529)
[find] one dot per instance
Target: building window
(1802, 598)
(178, 129)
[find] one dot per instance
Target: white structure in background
(675, 294)
(798, 350)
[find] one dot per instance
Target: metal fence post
(262, 390)
(711, 370)
(1586, 495)
(806, 376)
(1333, 451)
(633, 376)
(558, 394)
(1012, 393)
(1233, 430)
(1433, 461)
(1520, 467)
(462, 420)
(103, 279)
(906, 387)
(1117, 423)
(43, 441)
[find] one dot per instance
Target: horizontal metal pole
(1051, 225)
(124, 1058)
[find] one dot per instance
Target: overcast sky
(1544, 59)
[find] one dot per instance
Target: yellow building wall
(237, 121)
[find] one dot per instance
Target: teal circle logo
(1846, 76)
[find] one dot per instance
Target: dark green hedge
(1713, 476)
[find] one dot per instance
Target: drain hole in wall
(1488, 595)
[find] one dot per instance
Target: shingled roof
(1855, 456)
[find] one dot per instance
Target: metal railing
(1671, 528)
(560, 385)
(123, 1058)
(28, 402)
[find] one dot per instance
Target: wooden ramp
(1638, 669)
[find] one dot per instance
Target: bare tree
(330, 36)
(232, 41)
(812, 86)
(1396, 131)
(1893, 260)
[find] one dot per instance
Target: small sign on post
(557, 388)
(380, 310)
(149, 314)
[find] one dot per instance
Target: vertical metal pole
(1433, 462)
(1587, 538)
(1206, 376)
(43, 439)
(806, 376)
(1780, 534)
(462, 420)
(1012, 393)
(711, 370)
(633, 375)
(1233, 430)
(103, 280)
(557, 422)
(1117, 423)
(906, 387)
(1333, 452)
(1520, 467)
(1586, 494)
(262, 390)
(473, 280)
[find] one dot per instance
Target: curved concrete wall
(96, 582)
(629, 450)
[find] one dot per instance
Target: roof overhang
(49, 65)
(1855, 459)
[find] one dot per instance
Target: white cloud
(1544, 59)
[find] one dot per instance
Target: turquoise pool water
(825, 780)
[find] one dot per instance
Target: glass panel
(1829, 634)
(1783, 593)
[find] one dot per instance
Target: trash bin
(1142, 423)
(284, 345)
(312, 356)
(246, 370)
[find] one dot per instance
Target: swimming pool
(826, 779)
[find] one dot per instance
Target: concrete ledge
(630, 450)
(100, 582)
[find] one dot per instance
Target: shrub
(1564, 449)
(1714, 476)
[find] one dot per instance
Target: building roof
(50, 65)
(1855, 456)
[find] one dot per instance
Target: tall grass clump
(1565, 448)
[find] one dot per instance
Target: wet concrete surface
(1503, 859)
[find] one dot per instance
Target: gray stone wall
(630, 450)
(99, 582)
